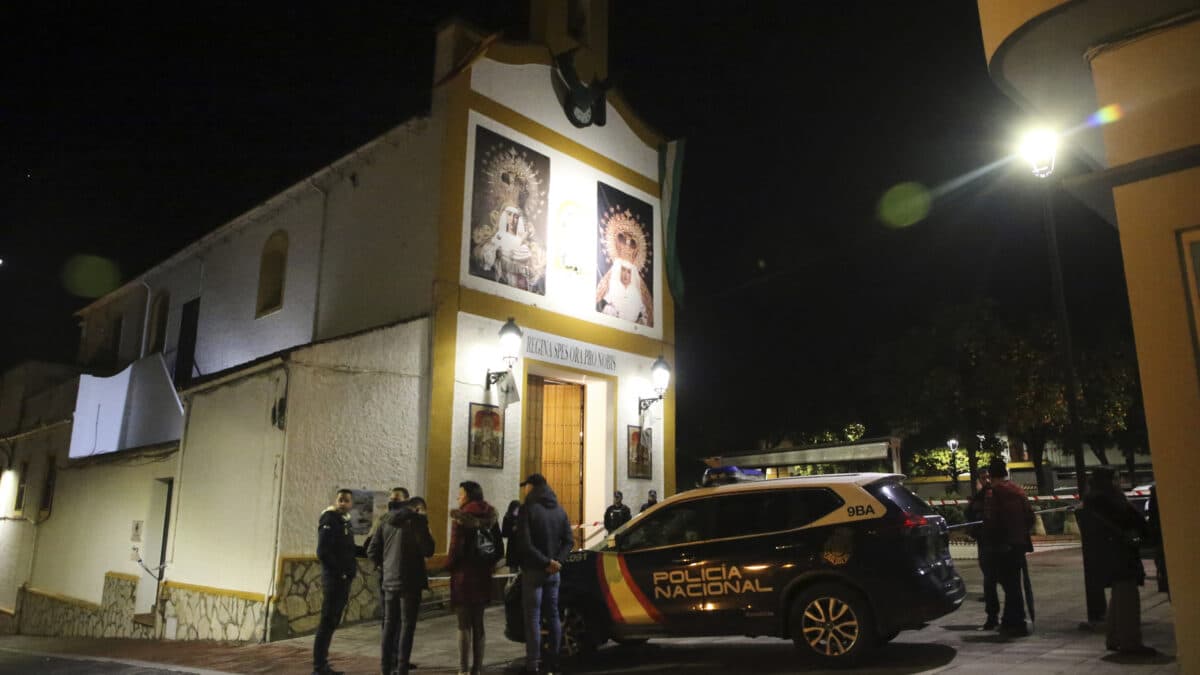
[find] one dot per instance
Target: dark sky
(128, 131)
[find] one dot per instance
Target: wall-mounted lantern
(660, 375)
(510, 350)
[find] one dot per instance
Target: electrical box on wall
(136, 532)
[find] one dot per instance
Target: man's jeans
(335, 593)
(991, 598)
(539, 597)
(399, 626)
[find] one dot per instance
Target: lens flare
(90, 276)
(1106, 115)
(904, 204)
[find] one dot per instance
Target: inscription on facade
(569, 352)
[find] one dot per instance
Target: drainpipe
(145, 320)
(272, 591)
(320, 254)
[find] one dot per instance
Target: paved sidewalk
(951, 644)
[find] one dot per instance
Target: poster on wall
(485, 446)
(624, 256)
(508, 212)
(362, 510)
(640, 442)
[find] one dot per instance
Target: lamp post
(953, 445)
(660, 375)
(1039, 148)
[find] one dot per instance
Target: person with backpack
(400, 547)
(475, 548)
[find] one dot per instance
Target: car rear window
(893, 493)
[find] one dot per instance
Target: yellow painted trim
(444, 331)
(1020, 465)
(514, 54)
(122, 575)
(668, 404)
(209, 590)
(528, 316)
(63, 598)
(511, 118)
(6, 610)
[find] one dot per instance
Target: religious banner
(624, 256)
(508, 212)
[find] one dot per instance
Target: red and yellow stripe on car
(626, 602)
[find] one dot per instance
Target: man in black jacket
(544, 538)
(336, 551)
(400, 547)
(616, 515)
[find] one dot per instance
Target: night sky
(129, 131)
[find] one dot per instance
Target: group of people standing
(1112, 556)
(539, 539)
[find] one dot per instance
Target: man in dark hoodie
(336, 551)
(544, 538)
(400, 547)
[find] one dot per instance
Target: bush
(953, 513)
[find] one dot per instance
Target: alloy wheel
(830, 626)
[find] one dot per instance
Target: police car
(837, 563)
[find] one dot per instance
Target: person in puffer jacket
(400, 546)
(471, 575)
(336, 551)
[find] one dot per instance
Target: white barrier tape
(1034, 498)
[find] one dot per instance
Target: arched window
(158, 322)
(271, 273)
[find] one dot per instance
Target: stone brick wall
(298, 609)
(47, 614)
(194, 614)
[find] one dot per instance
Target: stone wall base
(194, 614)
(44, 613)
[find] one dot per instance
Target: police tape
(1070, 507)
(1136, 494)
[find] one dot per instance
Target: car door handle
(683, 559)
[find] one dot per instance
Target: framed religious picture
(1189, 258)
(485, 442)
(640, 444)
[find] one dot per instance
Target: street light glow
(1039, 147)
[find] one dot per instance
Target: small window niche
(271, 273)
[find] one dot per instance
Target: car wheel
(831, 625)
(577, 636)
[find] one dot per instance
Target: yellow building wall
(1001, 18)
(1156, 80)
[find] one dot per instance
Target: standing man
(616, 515)
(974, 512)
(545, 539)
(336, 551)
(650, 501)
(401, 547)
(1007, 519)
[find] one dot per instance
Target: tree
(1110, 400)
(942, 461)
(1038, 404)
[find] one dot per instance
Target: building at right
(1124, 79)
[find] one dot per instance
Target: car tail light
(914, 520)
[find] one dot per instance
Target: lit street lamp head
(1039, 147)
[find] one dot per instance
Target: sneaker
(990, 624)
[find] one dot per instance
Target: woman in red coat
(471, 571)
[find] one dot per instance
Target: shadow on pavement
(772, 657)
(1158, 659)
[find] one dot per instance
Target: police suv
(838, 563)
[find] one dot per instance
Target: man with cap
(616, 515)
(544, 538)
(650, 501)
